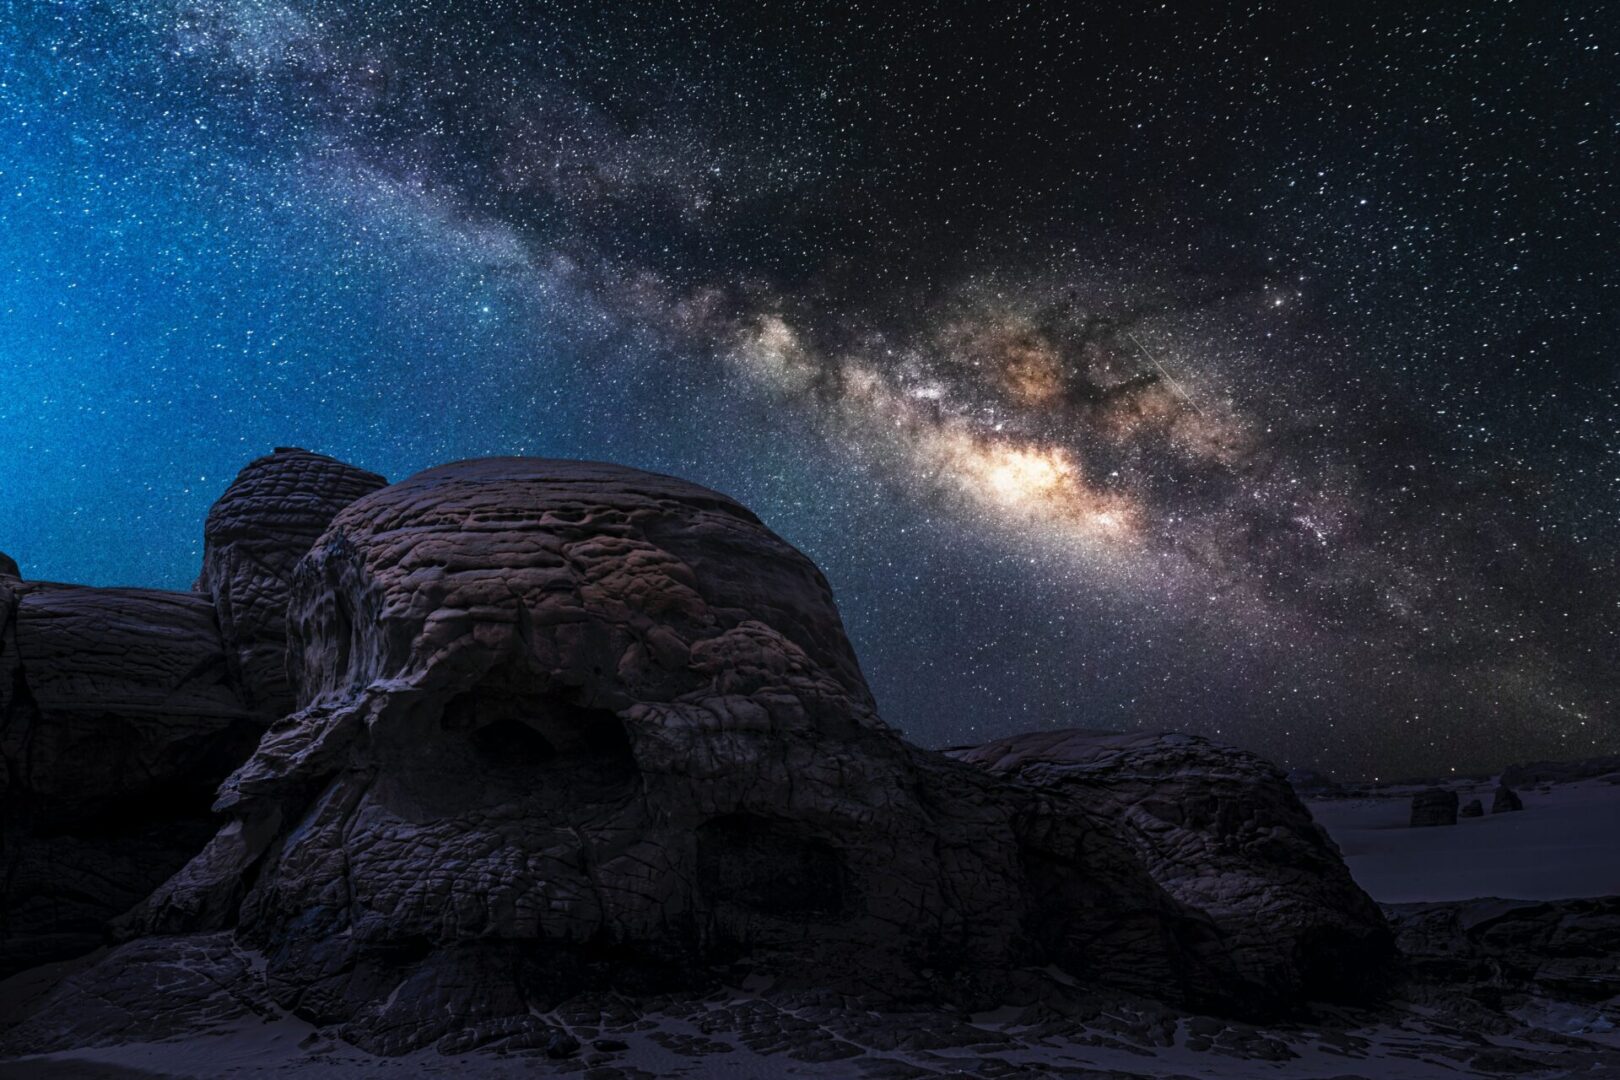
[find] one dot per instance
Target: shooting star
(1171, 379)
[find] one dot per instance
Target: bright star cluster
(1241, 369)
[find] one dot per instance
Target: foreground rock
(118, 720)
(255, 534)
(564, 728)
(1225, 834)
(1435, 806)
(567, 723)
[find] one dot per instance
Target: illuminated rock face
(558, 725)
(562, 718)
(254, 536)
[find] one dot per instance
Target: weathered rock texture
(1435, 806)
(117, 721)
(560, 719)
(561, 725)
(1225, 834)
(1567, 950)
(255, 534)
(1506, 800)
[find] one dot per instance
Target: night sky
(1247, 369)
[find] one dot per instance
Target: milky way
(1236, 372)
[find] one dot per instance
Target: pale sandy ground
(1564, 843)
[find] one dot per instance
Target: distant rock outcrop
(1472, 808)
(552, 707)
(1223, 832)
(1506, 800)
(8, 566)
(1434, 806)
(255, 534)
(118, 719)
(1559, 772)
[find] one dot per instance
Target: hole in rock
(540, 743)
(766, 866)
(511, 741)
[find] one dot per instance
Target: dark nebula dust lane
(1239, 371)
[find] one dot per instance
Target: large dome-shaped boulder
(1224, 833)
(118, 719)
(563, 720)
(255, 534)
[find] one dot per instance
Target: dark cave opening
(541, 741)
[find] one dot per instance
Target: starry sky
(1247, 369)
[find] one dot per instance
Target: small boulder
(8, 566)
(1474, 808)
(1506, 800)
(1434, 806)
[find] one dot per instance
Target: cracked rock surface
(565, 724)
(255, 534)
(551, 732)
(1224, 833)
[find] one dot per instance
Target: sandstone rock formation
(1506, 800)
(1473, 808)
(255, 534)
(563, 719)
(559, 725)
(117, 721)
(1434, 806)
(1223, 832)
